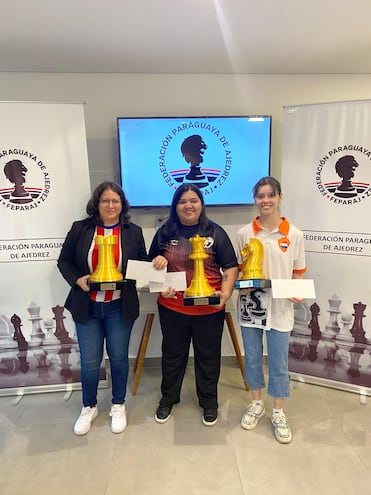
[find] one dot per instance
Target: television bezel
(147, 117)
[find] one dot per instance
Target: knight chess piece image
(252, 272)
(106, 276)
(199, 292)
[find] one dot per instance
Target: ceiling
(189, 36)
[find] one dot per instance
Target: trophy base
(98, 286)
(201, 300)
(253, 283)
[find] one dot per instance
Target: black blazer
(73, 264)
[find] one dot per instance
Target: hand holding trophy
(106, 276)
(200, 291)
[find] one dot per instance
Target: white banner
(44, 186)
(326, 183)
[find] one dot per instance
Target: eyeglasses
(115, 202)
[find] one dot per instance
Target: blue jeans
(105, 322)
(278, 356)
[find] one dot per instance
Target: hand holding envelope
(158, 280)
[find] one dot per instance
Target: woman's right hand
(169, 293)
(83, 282)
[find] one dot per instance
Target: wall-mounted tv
(225, 156)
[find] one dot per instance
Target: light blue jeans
(278, 356)
(105, 323)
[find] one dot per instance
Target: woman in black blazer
(102, 315)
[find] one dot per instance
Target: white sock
(277, 411)
(258, 403)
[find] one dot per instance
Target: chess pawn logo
(106, 270)
(252, 255)
(199, 285)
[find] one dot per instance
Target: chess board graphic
(39, 352)
(338, 351)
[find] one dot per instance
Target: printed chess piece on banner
(344, 334)
(24, 365)
(64, 354)
(7, 340)
(355, 356)
(18, 335)
(60, 330)
(15, 172)
(50, 337)
(37, 335)
(357, 329)
(332, 328)
(312, 350)
(313, 324)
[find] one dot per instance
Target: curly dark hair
(92, 207)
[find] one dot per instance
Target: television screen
(224, 156)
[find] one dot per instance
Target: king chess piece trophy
(200, 292)
(252, 262)
(106, 275)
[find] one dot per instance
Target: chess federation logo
(199, 142)
(24, 182)
(343, 175)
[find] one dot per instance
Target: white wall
(108, 96)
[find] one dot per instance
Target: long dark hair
(92, 207)
(172, 226)
(267, 181)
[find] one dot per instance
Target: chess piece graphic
(345, 168)
(199, 292)
(60, 330)
(332, 328)
(193, 148)
(50, 337)
(18, 335)
(37, 335)
(313, 324)
(355, 356)
(252, 272)
(106, 275)
(15, 172)
(344, 334)
(7, 340)
(357, 328)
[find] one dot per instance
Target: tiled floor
(330, 453)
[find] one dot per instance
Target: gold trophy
(200, 292)
(252, 272)
(106, 275)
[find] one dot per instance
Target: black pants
(205, 332)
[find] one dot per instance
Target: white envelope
(176, 280)
(296, 287)
(144, 271)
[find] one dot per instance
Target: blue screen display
(224, 156)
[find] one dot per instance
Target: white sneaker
(252, 415)
(118, 414)
(83, 423)
(282, 430)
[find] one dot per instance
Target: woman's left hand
(159, 263)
